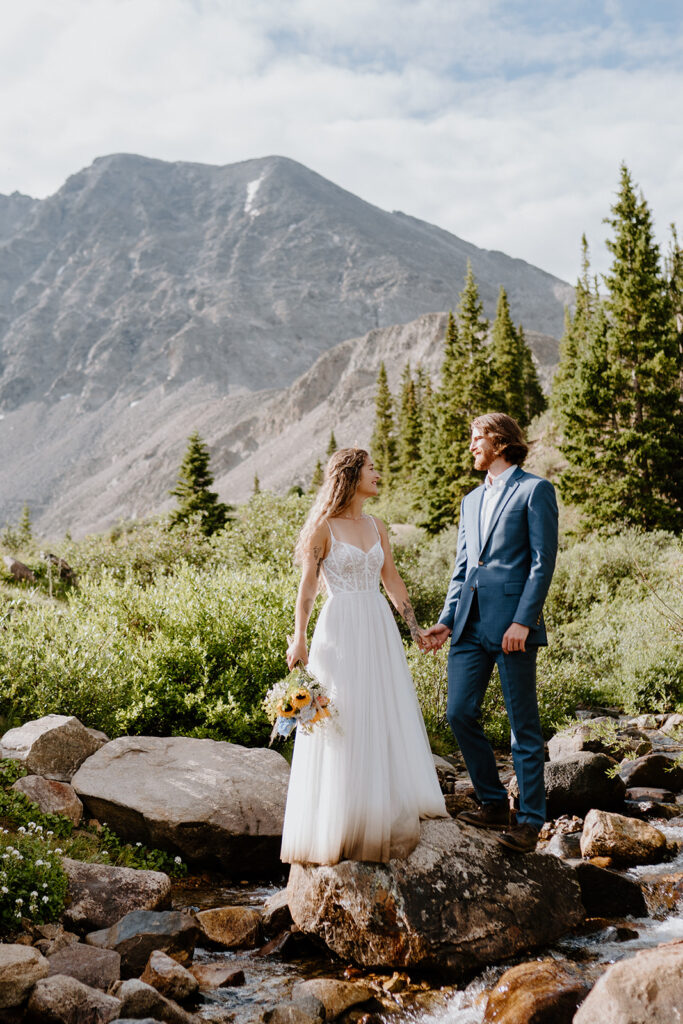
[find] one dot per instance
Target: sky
(503, 121)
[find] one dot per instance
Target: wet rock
(54, 746)
(663, 892)
(535, 993)
(141, 1000)
(565, 845)
(64, 1000)
(606, 893)
(210, 801)
(579, 782)
(646, 809)
(167, 976)
(210, 976)
(276, 915)
(658, 770)
(101, 894)
(20, 968)
(283, 943)
(52, 797)
(647, 987)
(231, 927)
(456, 903)
(662, 796)
(626, 840)
(619, 743)
(98, 968)
(290, 1013)
(336, 996)
(139, 933)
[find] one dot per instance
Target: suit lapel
(475, 518)
(512, 485)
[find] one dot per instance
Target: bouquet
(299, 701)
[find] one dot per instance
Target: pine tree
(409, 427)
(332, 445)
(383, 443)
(25, 526)
(535, 401)
(508, 363)
(195, 498)
(621, 413)
(318, 476)
(256, 489)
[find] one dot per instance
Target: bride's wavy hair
(342, 474)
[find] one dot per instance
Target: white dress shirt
(494, 487)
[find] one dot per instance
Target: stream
(269, 978)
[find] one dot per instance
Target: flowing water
(269, 979)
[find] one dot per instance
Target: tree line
(616, 400)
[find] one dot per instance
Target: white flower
(44, 885)
(39, 828)
(57, 849)
(19, 902)
(138, 844)
(49, 833)
(39, 862)
(31, 824)
(21, 829)
(46, 899)
(47, 864)
(34, 893)
(178, 860)
(5, 890)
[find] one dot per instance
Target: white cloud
(482, 117)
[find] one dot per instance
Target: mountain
(168, 287)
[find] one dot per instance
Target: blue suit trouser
(470, 665)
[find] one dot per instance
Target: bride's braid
(338, 488)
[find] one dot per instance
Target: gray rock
(644, 989)
(607, 893)
(579, 782)
(64, 1000)
(139, 933)
(456, 903)
(658, 770)
(167, 976)
(52, 797)
(53, 746)
(291, 1013)
(587, 736)
(141, 1000)
(98, 968)
(625, 840)
(212, 802)
(101, 894)
(336, 996)
(218, 975)
(565, 845)
(20, 968)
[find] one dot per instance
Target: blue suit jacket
(512, 566)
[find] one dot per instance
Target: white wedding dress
(360, 783)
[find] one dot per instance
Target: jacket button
(471, 588)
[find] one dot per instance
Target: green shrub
(33, 884)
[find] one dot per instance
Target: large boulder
(336, 996)
(139, 933)
(659, 770)
(64, 1000)
(626, 840)
(599, 737)
(536, 993)
(578, 782)
(139, 1000)
(607, 893)
(53, 746)
(52, 797)
(231, 927)
(644, 989)
(210, 801)
(101, 894)
(456, 903)
(20, 968)
(98, 968)
(169, 977)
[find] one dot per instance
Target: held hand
(514, 638)
(296, 652)
(435, 637)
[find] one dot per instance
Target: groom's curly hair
(505, 434)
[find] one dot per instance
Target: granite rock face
(211, 801)
(101, 894)
(626, 840)
(643, 989)
(20, 968)
(142, 282)
(52, 797)
(456, 903)
(138, 934)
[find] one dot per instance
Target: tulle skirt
(360, 783)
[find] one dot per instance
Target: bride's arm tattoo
(409, 617)
(319, 559)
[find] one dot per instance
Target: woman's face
(368, 480)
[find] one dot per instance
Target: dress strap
(329, 527)
(375, 525)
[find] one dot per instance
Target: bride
(359, 783)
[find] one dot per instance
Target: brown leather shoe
(522, 838)
(487, 816)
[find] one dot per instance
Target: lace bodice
(348, 569)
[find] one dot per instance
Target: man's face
(482, 450)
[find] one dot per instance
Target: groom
(507, 542)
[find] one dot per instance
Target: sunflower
(300, 698)
(285, 709)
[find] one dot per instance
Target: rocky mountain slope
(144, 297)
